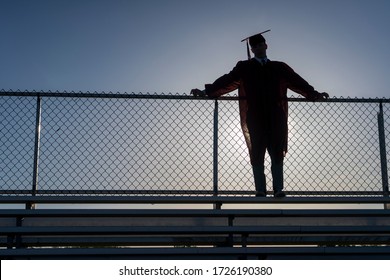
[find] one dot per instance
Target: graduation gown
(262, 91)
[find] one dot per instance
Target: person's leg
(277, 176)
(260, 182)
(257, 161)
(277, 171)
(257, 151)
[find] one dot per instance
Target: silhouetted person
(262, 87)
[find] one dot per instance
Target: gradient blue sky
(339, 46)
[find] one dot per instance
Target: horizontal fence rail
(137, 144)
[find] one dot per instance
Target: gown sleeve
(225, 84)
(299, 85)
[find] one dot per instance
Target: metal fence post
(36, 152)
(382, 149)
(215, 153)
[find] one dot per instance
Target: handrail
(174, 96)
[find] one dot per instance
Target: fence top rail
(169, 96)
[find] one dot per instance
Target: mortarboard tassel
(247, 50)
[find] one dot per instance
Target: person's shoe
(261, 194)
(279, 194)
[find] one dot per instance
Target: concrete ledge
(192, 213)
(306, 253)
(62, 199)
(162, 230)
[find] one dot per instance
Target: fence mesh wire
(155, 144)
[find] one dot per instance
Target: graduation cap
(253, 40)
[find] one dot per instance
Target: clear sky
(339, 46)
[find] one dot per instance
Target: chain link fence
(131, 144)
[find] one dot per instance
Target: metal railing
(135, 144)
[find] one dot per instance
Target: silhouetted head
(256, 39)
(257, 44)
